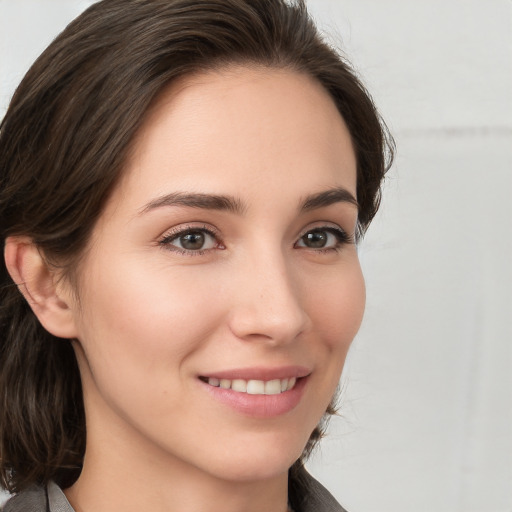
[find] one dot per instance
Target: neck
(123, 471)
(133, 492)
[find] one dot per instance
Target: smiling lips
(258, 392)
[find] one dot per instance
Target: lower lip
(259, 406)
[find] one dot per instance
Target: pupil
(316, 239)
(193, 240)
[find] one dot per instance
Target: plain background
(426, 412)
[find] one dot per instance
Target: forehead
(227, 130)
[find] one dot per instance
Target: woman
(182, 187)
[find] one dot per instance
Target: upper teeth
(254, 387)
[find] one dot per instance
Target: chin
(260, 461)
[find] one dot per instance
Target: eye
(323, 238)
(191, 240)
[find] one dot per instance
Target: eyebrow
(197, 200)
(328, 197)
(234, 205)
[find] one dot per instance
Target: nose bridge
(269, 302)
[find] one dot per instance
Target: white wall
(426, 417)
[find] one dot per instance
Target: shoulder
(39, 499)
(318, 498)
(32, 499)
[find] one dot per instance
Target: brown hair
(63, 142)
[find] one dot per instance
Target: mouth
(258, 392)
(253, 386)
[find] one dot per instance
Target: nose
(268, 302)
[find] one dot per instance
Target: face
(222, 288)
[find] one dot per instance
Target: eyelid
(328, 226)
(180, 229)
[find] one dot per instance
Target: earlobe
(39, 285)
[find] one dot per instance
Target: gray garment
(52, 499)
(38, 499)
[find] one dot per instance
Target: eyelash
(165, 242)
(342, 238)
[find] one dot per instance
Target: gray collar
(57, 501)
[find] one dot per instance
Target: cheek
(336, 313)
(139, 336)
(337, 307)
(138, 317)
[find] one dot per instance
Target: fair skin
(177, 288)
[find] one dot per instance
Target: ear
(47, 296)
